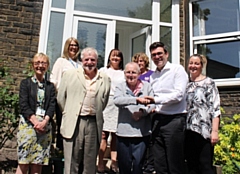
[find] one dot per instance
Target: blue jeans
(130, 154)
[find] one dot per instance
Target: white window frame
(212, 38)
(142, 31)
(155, 24)
(110, 36)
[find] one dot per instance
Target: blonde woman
(37, 105)
(69, 60)
(203, 106)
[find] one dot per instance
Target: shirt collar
(167, 66)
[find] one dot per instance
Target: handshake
(145, 100)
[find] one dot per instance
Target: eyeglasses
(73, 45)
(38, 63)
(131, 72)
(155, 54)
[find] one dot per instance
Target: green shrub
(227, 151)
(9, 107)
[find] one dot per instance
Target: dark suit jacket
(28, 98)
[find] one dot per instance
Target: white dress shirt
(169, 86)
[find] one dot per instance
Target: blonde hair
(145, 58)
(40, 55)
(66, 47)
(203, 61)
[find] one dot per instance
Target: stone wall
(230, 100)
(19, 33)
(19, 37)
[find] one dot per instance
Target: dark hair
(156, 45)
(118, 53)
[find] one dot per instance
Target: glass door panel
(99, 34)
(140, 41)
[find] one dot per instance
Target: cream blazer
(71, 93)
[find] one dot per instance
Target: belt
(87, 116)
(170, 116)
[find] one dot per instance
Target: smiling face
(132, 73)
(195, 66)
(89, 62)
(142, 64)
(115, 60)
(159, 57)
(73, 49)
(40, 65)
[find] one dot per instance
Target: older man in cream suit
(82, 96)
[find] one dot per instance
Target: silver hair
(89, 49)
(135, 64)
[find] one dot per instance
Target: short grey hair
(89, 49)
(135, 64)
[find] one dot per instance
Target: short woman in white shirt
(69, 60)
(114, 70)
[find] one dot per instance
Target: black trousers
(199, 154)
(59, 142)
(168, 143)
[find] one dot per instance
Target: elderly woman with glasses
(37, 105)
(134, 122)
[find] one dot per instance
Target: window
(96, 23)
(216, 34)
(141, 9)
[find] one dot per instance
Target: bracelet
(214, 130)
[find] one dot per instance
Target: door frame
(110, 32)
(147, 32)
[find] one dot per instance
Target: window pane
(93, 35)
(223, 59)
(138, 44)
(166, 38)
(54, 43)
(141, 9)
(59, 3)
(165, 10)
(216, 16)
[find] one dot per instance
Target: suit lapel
(99, 83)
(81, 77)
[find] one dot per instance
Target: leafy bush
(9, 107)
(227, 151)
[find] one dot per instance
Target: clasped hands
(145, 100)
(39, 126)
